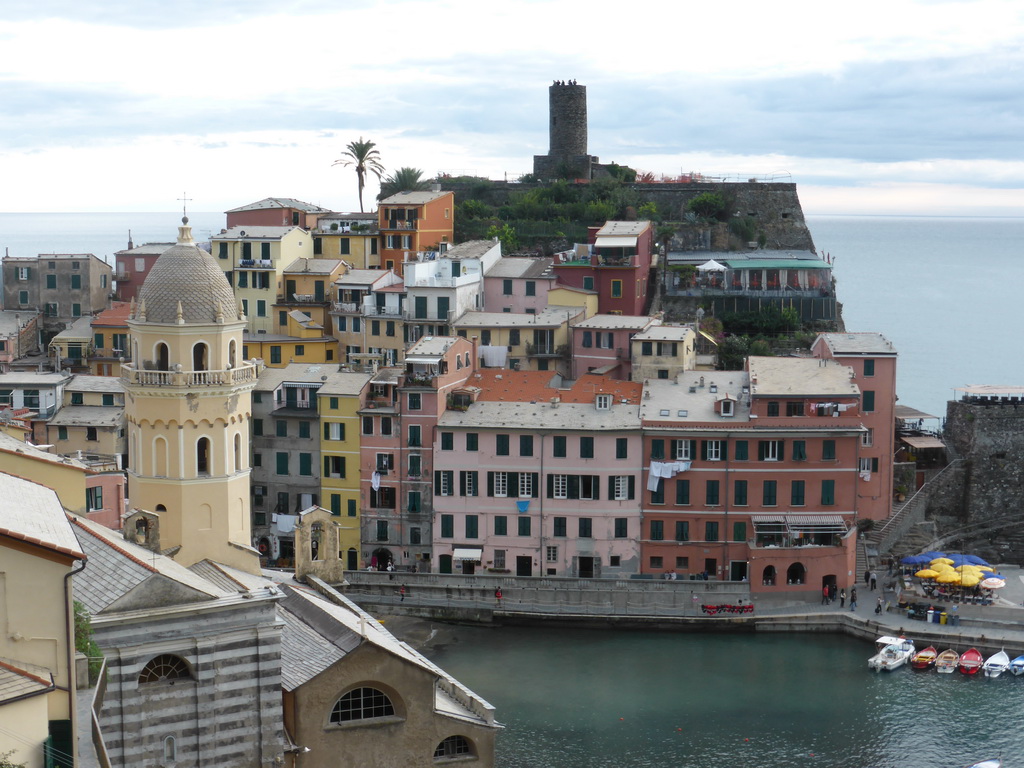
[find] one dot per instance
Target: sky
(876, 107)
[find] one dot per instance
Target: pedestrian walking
(832, 592)
(824, 595)
(853, 599)
(874, 581)
(878, 605)
(867, 577)
(497, 596)
(842, 598)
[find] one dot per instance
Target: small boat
(925, 658)
(892, 653)
(996, 664)
(971, 661)
(1017, 666)
(996, 762)
(946, 661)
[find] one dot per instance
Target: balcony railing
(383, 312)
(546, 350)
(419, 380)
(244, 373)
(348, 307)
(255, 264)
(110, 354)
(308, 298)
(402, 225)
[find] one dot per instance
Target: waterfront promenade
(677, 606)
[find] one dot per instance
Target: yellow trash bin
(942, 618)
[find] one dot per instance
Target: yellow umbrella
(966, 568)
(948, 577)
(927, 573)
(945, 560)
(969, 580)
(985, 568)
(942, 568)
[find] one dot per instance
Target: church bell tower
(188, 408)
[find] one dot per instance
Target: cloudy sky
(879, 106)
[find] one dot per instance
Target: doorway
(586, 567)
(524, 566)
(444, 564)
(738, 570)
(710, 568)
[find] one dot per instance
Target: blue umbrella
(932, 555)
(975, 560)
(915, 560)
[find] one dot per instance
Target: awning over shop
(922, 441)
(907, 413)
(616, 242)
(797, 523)
(468, 553)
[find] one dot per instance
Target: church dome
(185, 279)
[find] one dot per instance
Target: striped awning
(467, 553)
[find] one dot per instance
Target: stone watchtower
(567, 128)
(188, 408)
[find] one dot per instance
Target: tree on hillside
(366, 159)
(403, 180)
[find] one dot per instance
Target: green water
(598, 699)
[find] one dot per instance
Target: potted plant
(901, 493)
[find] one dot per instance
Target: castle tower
(188, 405)
(567, 130)
(567, 112)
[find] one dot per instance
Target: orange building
(410, 222)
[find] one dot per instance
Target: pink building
(535, 478)
(755, 475)
(872, 358)
(604, 344)
(132, 266)
(275, 212)
(398, 419)
(617, 266)
(518, 285)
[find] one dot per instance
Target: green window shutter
(501, 445)
(97, 341)
(306, 464)
(560, 528)
(586, 447)
(447, 441)
(741, 450)
(282, 463)
(799, 450)
(682, 491)
(472, 526)
(621, 448)
(500, 525)
(558, 446)
(657, 450)
(739, 531)
(796, 493)
(335, 503)
(447, 526)
(352, 508)
(524, 526)
(828, 450)
(740, 493)
(869, 401)
(828, 492)
(682, 530)
(657, 530)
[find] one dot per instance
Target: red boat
(971, 661)
(925, 658)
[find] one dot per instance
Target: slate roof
(523, 267)
(413, 198)
(88, 383)
(268, 203)
(32, 513)
(17, 683)
(843, 344)
(617, 322)
(88, 416)
(189, 275)
(313, 266)
(304, 652)
(802, 376)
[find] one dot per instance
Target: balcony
(546, 350)
(106, 353)
(395, 312)
(345, 307)
(243, 374)
(122, 275)
(405, 226)
(308, 298)
(420, 380)
(255, 264)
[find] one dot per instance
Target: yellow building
(302, 341)
(69, 349)
(110, 340)
(308, 288)
(91, 419)
(521, 342)
(254, 260)
(570, 296)
(65, 476)
(188, 408)
(338, 404)
(353, 237)
(37, 679)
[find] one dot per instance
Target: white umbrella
(992, 583)
(712, 266)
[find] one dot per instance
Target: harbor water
(583, 698)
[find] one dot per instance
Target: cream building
(187, 405)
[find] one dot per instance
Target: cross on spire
(184, 213)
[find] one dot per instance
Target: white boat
(996, 664)
(892, 653)
(946, 661)
(1017, 666)
(996, 762)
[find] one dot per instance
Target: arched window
(238, 452)
(362, 704)
(163, 357)
(768, 576)
(796, 574)
(316, 532)
(160, 457)
(232, 352)
(170, 750)
(453, 746)
(200, 357)
(203, 456)
(165, 668)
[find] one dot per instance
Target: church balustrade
(246, 372)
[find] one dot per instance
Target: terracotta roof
(117, 315)
(528, 386)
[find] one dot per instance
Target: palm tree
(403, 180)
(365, 158)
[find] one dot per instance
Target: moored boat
(971, 661)
(996, 664)
(946, 661)
(925, 658)
(996, 762)
(1017, 666)
(892, 653)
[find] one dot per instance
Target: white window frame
(603, 402)
(385, 463)
(560, 487)
(681, 450)
(447, 481)
(867, 439)
(525, 485)
(334, 430)
(501, 485)
(714, 450)
(471, 484)
(771, 450)
(727, 406)
(621, 487)
(865, 463)
(551, 554)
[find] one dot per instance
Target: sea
(941, 289)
